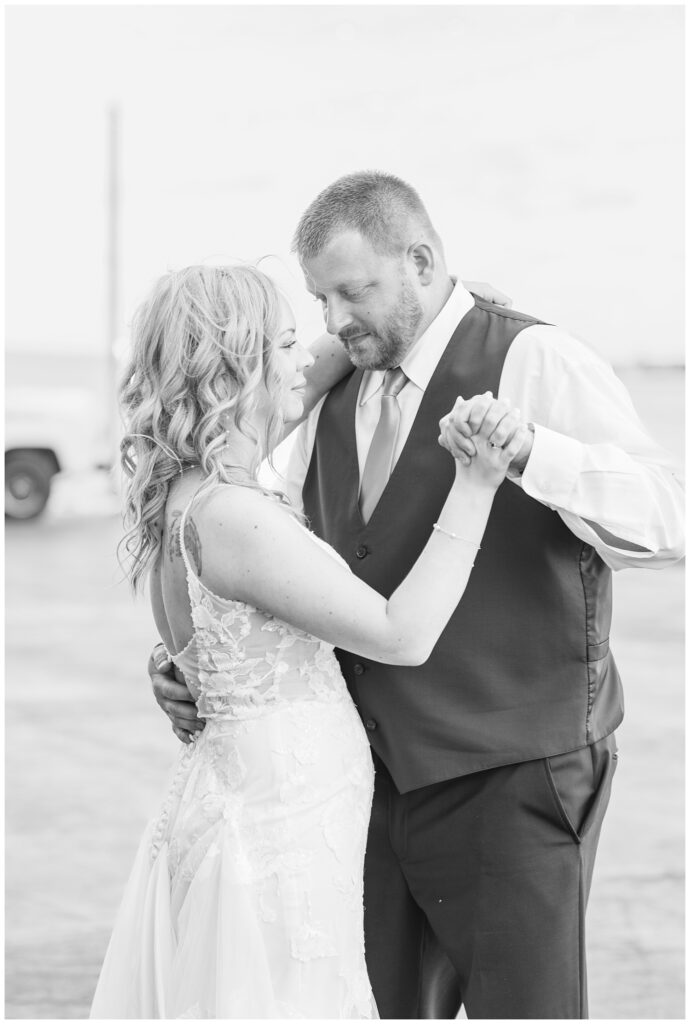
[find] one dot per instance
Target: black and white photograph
(344, 511)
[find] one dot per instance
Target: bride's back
(238, 660)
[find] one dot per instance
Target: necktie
(379, 463)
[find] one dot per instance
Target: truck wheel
(27, 485)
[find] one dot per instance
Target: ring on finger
(492, 444)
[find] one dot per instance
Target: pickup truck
(49, 432)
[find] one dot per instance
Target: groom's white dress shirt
(592, 459)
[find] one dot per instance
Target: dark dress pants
(475, 889)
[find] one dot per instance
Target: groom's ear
(424, 259)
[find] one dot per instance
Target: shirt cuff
(553, 467)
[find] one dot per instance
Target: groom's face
(368, 299)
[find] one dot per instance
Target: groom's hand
(170, 690)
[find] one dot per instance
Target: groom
(494, 759)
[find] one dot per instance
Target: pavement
(87, 755)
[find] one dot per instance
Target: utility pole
(112, 272)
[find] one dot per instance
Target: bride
(245, 899)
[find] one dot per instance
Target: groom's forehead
(336, 273)
(345, 262)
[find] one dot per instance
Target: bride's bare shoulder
(242, 533)
(241, 511)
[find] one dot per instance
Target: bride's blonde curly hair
(202, 357)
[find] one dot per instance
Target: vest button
(362, 551)
(359, 669)
(371, 724)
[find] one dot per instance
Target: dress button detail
(359, 669)
(362, 551)
(371, 724)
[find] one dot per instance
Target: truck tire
(27, 484)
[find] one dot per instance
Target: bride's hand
(496, 430)
(488, 293)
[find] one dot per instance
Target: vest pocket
(595, 652)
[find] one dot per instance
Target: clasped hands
(488, 419)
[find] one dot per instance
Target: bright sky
(546, 141)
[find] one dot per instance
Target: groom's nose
(337, 316)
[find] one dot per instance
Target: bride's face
(292, 359)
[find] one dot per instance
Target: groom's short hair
(379, 206)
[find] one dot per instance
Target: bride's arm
(257, 553)
(331, 364)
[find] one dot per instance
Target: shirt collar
(423, 358)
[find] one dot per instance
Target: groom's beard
(386, 347)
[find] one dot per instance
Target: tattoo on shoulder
(173, 545)
(192, 542)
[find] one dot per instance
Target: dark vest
(523, 669)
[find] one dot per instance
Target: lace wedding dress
(245, 899)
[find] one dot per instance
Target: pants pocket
(580, 784)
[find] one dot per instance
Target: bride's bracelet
(455, 536)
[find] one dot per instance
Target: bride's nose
(306, 358)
